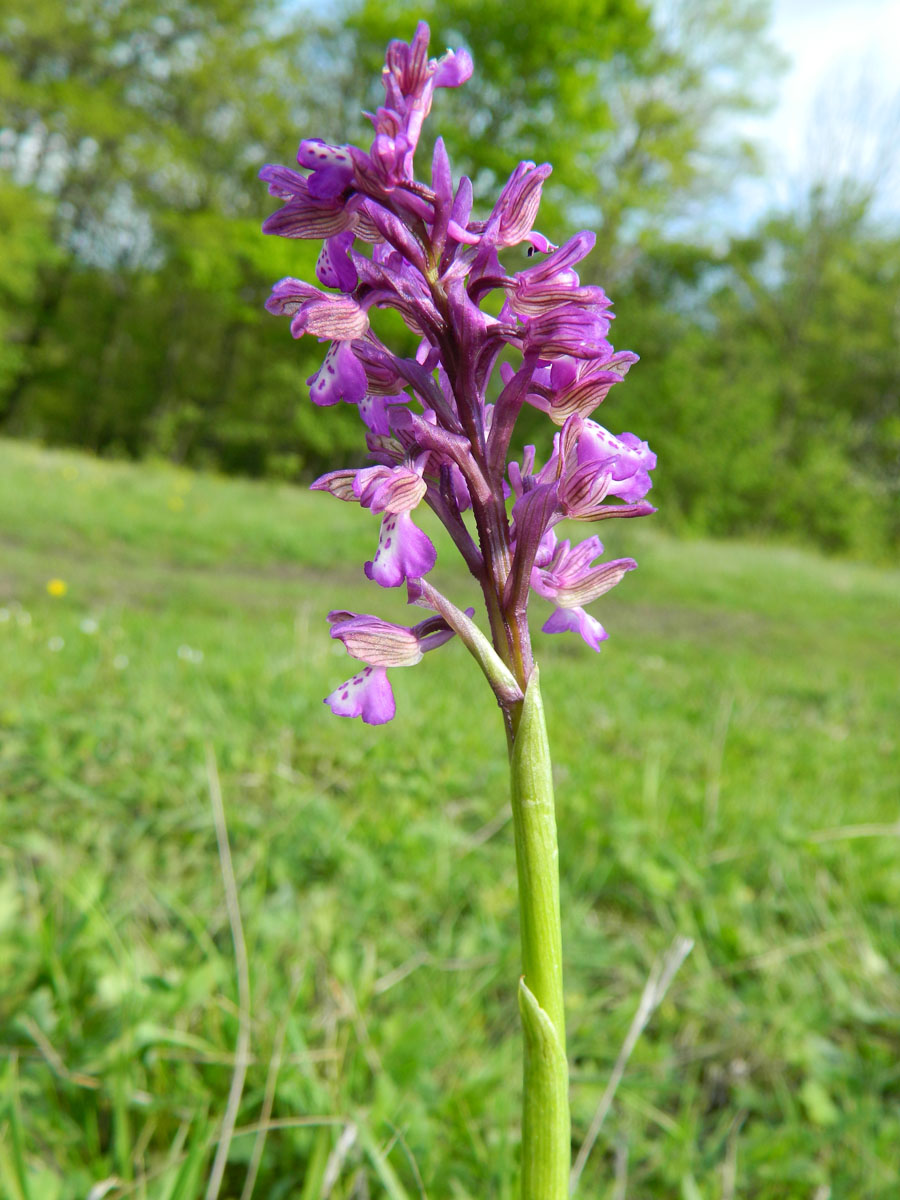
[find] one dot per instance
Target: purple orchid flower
(433, 436)
(404, 551)
(564, 575)
(379, 644)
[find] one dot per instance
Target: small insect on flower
(57, 587)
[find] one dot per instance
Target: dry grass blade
(242, 966)
(661, 975)
(269, 1097)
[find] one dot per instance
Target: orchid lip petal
(368, 694)
(404, 552)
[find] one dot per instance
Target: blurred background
(754, 259)
(728, 770)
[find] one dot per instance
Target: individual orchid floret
(379, 644)
(404, 551)
(565, 576)
(624, 462)
(567, 330)
(384, 644)
(581, 385)
(340, 318)
(554, 281)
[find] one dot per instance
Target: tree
(630, 102)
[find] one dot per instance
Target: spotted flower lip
(368, 694)
(331, 167)
(404, 552)
(340, 377)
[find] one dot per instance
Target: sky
(834, 97)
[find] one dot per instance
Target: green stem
(546, 1141)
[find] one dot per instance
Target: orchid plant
(434, 437)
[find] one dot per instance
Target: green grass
(728, 768)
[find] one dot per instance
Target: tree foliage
(134, 272)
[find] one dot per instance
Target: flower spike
(437, 429)
(432, 433)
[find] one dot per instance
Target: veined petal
(289, 295)
(518, 204)
(284, 182)
(389, 489)
(593, 584)
(368, 695)
(338, 483)
(567, 330)
(337, 317)
(308, 218)
(379, 643)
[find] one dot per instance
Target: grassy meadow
(728, 768)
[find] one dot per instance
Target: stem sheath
(546, 1139)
